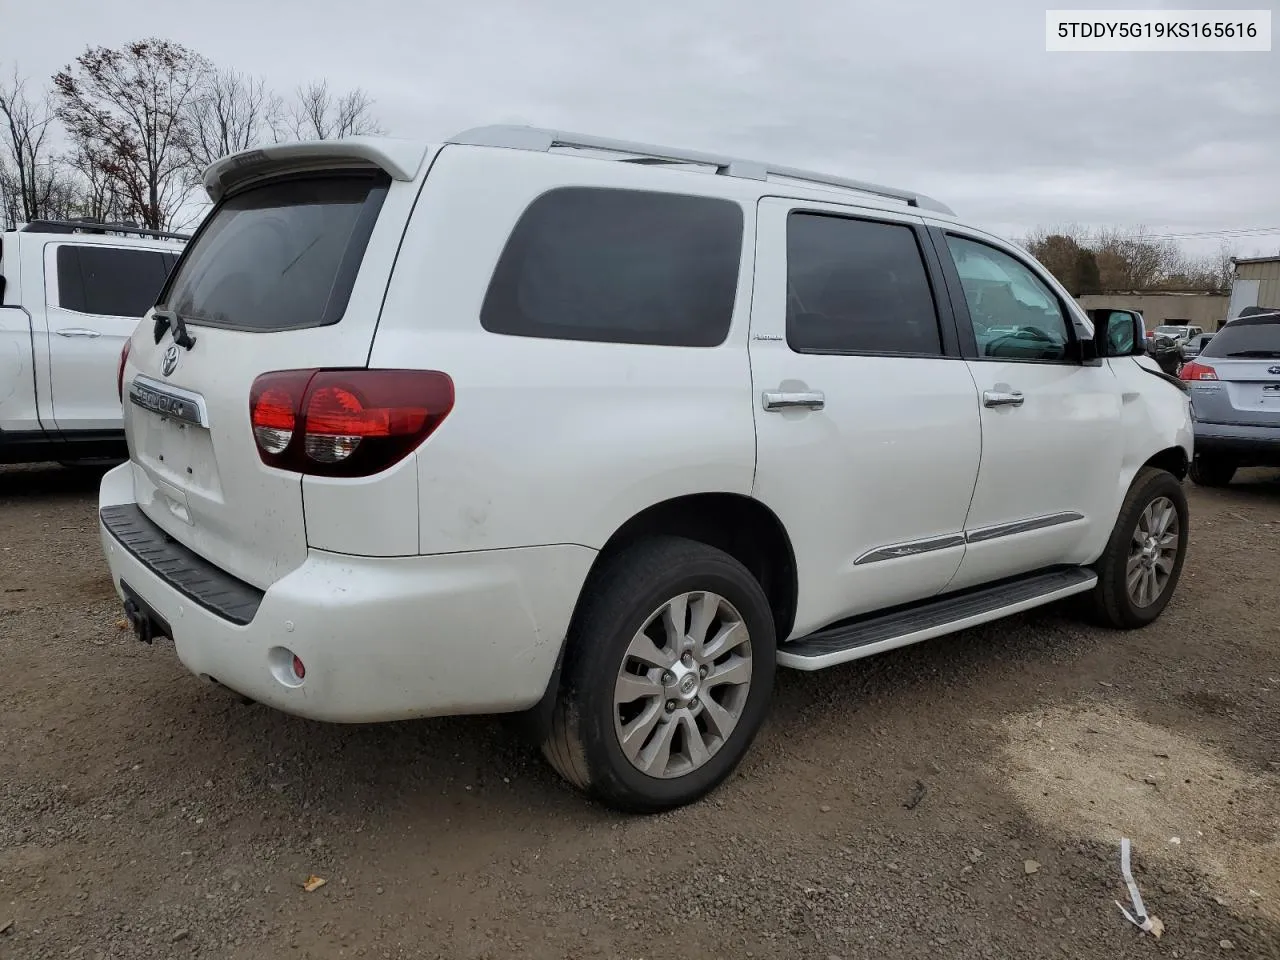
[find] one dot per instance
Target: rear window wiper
(1260, 354)
(166, 319)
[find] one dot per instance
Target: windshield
(1257, 336)
(1171, 331)
(280, 256)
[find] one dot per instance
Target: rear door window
(857, 286)
(280, 256)
(110, 281)
(619, 266)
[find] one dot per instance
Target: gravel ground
(961, 798)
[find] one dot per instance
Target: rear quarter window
(279, 256)
(110, 281)
(619, 266)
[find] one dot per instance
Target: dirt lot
(145, 814)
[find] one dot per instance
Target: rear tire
(653, 713)
(1212, 471)
(1140, 567)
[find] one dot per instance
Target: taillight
(1197, 371)
(345, 423)
(124, 357)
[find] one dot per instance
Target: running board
(867, 635)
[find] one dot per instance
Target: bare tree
(316, 114)
(1133, 261)
(1223, 266)
(231, 111)
(1060, 255)
(100, 193)
(127, 110)
(28, 172)
(1116, 261)
(10, 197)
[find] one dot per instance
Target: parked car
(602, 432)
(1165, 351)
(71, 294)
(1179, 332)
(1235, 398)
(1191, 349)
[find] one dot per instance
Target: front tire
(1212, 472)
(667, 679)
(1140, 568)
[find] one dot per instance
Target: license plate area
(177, 453)
(148, 626)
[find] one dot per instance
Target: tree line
(123, 135)
(1113, 261)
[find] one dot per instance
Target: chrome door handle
(77, 332)
(781, 400)
(996, 398)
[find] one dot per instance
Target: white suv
(604, 431)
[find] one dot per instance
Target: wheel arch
(741, 526)
(1172, 459)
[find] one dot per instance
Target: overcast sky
(958, 100)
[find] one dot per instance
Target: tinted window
(1256, 336)
(1015, 315)
(110, 281)
(279, 256)
(619, 266)
(857, 286)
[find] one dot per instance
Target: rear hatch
(1236, 377)
(287, 272)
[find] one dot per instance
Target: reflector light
(124, 358)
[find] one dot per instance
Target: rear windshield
(281, 256)
(1249, 336)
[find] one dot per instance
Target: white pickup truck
(71, 294)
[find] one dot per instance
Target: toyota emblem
(170, 362)
(1275, 370)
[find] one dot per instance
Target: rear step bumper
(382, 638)
(872, 634)
(191, 575)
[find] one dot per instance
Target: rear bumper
(1251, 445)
(381, 638)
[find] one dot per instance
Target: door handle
(77, 332)
(782, 400)
(998, 398)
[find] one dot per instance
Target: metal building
(1255, 282)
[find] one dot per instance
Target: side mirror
(1119, 333)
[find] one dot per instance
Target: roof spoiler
(399, 159)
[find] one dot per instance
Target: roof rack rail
(91, 225)
(543, 141)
